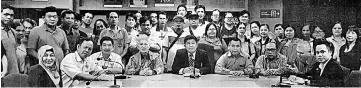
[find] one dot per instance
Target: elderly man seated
(273, 63)
(234, 62)
(144, 62)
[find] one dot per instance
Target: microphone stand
(88, 83)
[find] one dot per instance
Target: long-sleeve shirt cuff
(181, 71)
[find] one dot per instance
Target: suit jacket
(181, 61)
(332, 74)
(39, 78)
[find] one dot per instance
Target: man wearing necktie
(191, 60)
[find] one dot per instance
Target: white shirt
(98, 60)
(322, 66)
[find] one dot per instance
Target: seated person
(234, 62)
(191, 59)
(326, 71)
(76, 67)
(144, 62)
(106, 59)
(305, 59)
(273, 63)
(46, 73)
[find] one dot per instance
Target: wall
(64, 4)
(256, 5)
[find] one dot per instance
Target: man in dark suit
(326, 71)
(191, 58)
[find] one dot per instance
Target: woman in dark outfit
(350, 53)
(45, 74)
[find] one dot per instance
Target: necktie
(191, 60)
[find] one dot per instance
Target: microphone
(123, 76)
(87, 83)
(115, 81)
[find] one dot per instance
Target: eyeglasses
(101, 26)
(145, 24)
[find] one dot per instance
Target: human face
(77, 24)
(143, 46)
(178, 24)
(7, 16)
(289, 32)
(162, 19)
(271, 50)
(20, 32)
(182, 11)
(201, 13)
(69, 19)
(85, 49)
(215, 16)
(153, 18)
(263, 31)
(27, 27)
(88, 18)
(146, 25)
(318, 34)
(99, 25)
(306, 31)
(322, 53)
(51, 18)
(212, 31)
(194, 22)
(244, 18)
(241, 29)
(351, 36)
(255, 29)
(234, 47)
(303, 49)
(279, 31)
(191, 45)
(48, 59)
(337, 29)
(228, 18)
(131, 22)
(113, 18)
(107, 47)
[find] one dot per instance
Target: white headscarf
(51, 70)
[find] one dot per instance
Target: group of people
(64, 54)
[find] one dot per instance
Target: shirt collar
(194, 54)
(229, 54)
(333, 38)
(101, 55)
(77, 57)
(49, 29)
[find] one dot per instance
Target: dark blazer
(332, 74)
(39, 78)
(351, 59)
(181, 61)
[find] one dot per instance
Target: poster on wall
(190, 3)
(270, 13)
(138, 3)
(113, 3)
(164, 3)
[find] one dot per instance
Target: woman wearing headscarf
(46, 73)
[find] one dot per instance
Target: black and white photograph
(180, 43)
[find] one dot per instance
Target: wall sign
(164, 3)
(270, 13)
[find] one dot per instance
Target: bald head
(303, 48)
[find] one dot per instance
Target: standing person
(8, 38)
(46, 73)
(261, 44)
(99, 25)
(255, 35)
(350, 53)
(75, 33)
(154, 19)
(25, 60)
(289, 45)
(191, 58)
(194, 28)
(49, 34)
(228, 30)
(218, 45)
(279, 31)
(119, 35)
(19, 32)
(200, 10)
(4, 61)
(133, 31)
(216, 18)
(162, 28)
(234, 61)
(337, 39)
(246, 45)
(244, 18)
(86, 21)
(67, 19)
(306, 36)
(21, 48)
(183, 11)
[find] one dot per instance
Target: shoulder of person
(35, 68)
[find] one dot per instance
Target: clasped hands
(236, 73)
(144, 72)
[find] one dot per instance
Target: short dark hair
(265, 25)
(217, 10)
(244, 12)
(234, 39)
(183, 5)
(63, 13)
(143, 19)
(7, 6)
(89, 13)
(108, 15)
(329, 45)
(106, 38)
(207, 28)
(256, 22)
(240, 23)
(200, 6)
(31, 21)
(83, 39)
(77, 16)
(162, 12)
(130, 15)
(49, 9)
(96, 32)
(278, 25)
(189, 37)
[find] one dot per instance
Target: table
(173, 80)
